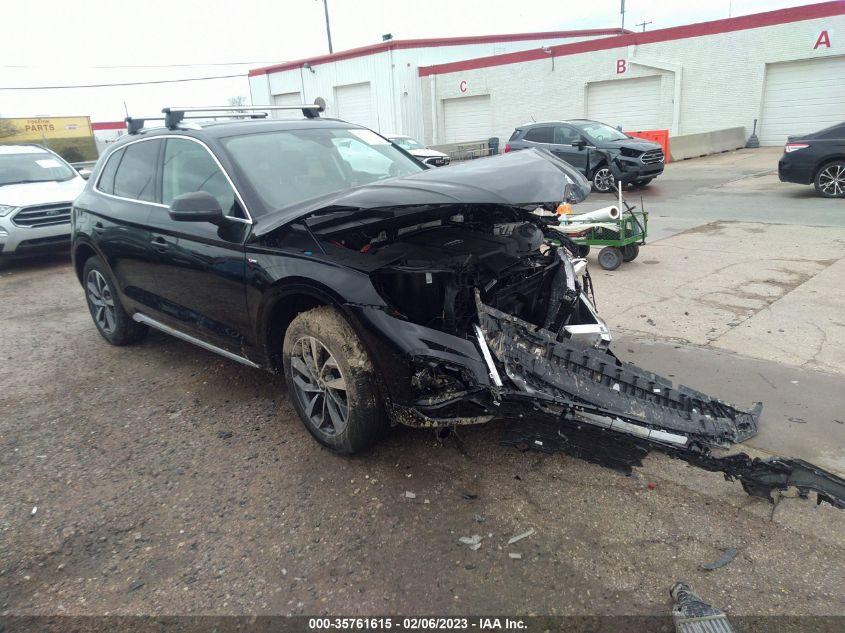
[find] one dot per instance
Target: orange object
(658, 136)
(564, 208)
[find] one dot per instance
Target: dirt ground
(162, 479)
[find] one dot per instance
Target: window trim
(164, 137)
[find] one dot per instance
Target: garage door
(632, 103)
(467, 119)
(354, 104)
(289, 98)
(801, 97)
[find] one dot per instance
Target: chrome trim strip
(249, 219)
(488, 358)
(143, 318)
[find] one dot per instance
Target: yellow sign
(38, 129)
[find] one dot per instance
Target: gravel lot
(170, 481)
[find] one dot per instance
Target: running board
(143, 318)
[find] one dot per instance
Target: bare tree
(7, 128)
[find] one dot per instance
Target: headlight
(630, 153)
(5, 210)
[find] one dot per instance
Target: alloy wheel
(320, 386)
(102, 301)
(603, 180)
(832, 180)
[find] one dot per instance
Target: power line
(126, 83)
(251, 63)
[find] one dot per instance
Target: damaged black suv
(386, 292)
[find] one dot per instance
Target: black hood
(638, 144)
(532, 176)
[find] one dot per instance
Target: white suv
(37, 189)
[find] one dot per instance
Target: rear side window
(515, 134)
(135, 177)
(106, 182)
(188, 167)
(540, 135)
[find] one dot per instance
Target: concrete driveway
(161, 479)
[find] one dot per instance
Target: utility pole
(622, 11)
(643, 24)
(328, 28)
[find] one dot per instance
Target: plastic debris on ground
(474, 541)
(519, 537)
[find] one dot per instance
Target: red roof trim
(429, 43)
(109, 125)
(756, 20)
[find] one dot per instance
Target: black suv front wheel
(603, 179)
(112, 321)
(331, 381)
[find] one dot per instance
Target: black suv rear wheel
(112, 321)
(331, 381)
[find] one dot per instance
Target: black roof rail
(136, 124)
(174, 115)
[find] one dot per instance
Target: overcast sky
(57, 42)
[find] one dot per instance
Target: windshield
(32, 166)
(601, 132)
(407, 143)
(292, 166)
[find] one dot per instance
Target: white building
(785, 68)
(379, 86)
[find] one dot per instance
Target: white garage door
(632, 103)
(355, 105)
(467, 119)
(801, 97)
(289, 98)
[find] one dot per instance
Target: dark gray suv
(601, 152)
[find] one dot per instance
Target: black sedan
(817, 159)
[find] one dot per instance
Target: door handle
(159, 243)
(99, 228)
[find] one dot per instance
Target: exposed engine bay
(431, 270)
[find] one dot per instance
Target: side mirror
(197, 206)
(580, 144)
(84, 173)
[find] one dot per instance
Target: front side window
(188, 167)
(31, 164)
(135, 176)
(287, 167)
(539, 135)
(565, 135)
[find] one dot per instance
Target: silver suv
(37, 188)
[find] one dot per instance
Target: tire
(332, 382)
(583, 250)
(610, 258)
(830, 180)
(630, 252)
(603, 179)
(110, 319)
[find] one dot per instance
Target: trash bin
(493, 145)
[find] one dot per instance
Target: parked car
(601, 152)
(411, 296)
(816, 159)
(37, 188)
(427, 155)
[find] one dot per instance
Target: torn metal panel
(622, 396)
